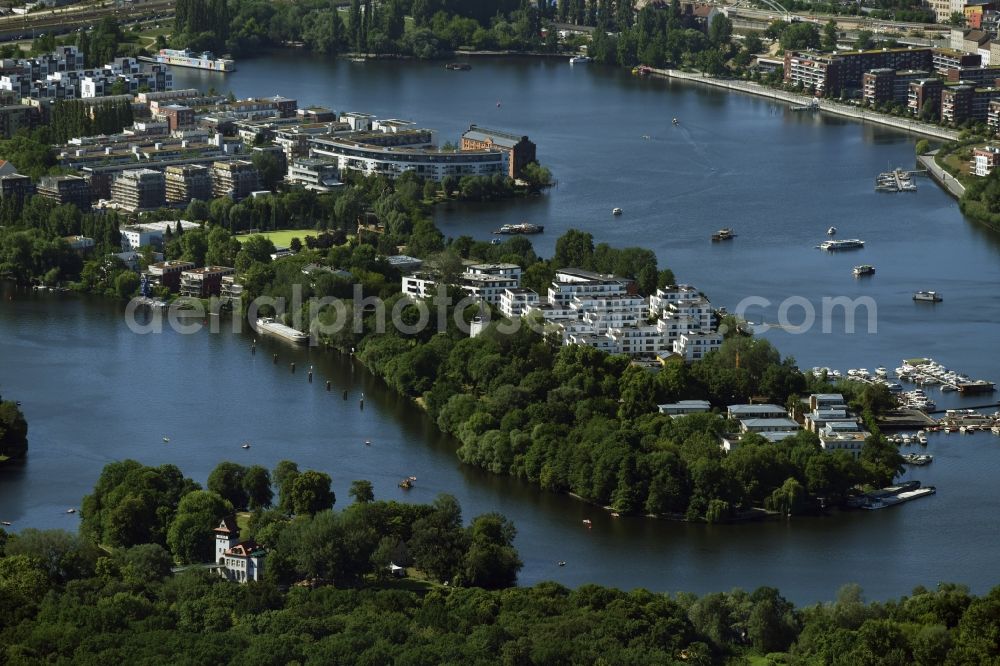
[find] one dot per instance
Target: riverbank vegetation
(13, 432)
(135, 506)
(63, 599)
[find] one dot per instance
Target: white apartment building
(694, 346)
(515, 302)
(659, 301)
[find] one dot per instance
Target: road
(68, 19)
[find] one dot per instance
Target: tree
(295, 245)
(13, 431)
(574, 249)
(800, 36)
(285, 473)
(864, 40)
(257, 484)
(362, 491)
(311, 493)
(64, 556)
(491, 561)
(753, 43)
(227, 480)
(720, 30)
(269, 168)
(190, 536)
(439, 543)
(829, 39)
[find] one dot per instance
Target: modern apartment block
(235, 179)
(921, 92)
(67, 190)
(204, 282)
(139, 189)
(883, 85)
(187, 182)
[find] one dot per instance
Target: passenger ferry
(269, 325)
(186, 58)
(845, 244)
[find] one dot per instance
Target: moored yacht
(844, 244)
(929, 296)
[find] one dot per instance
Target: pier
(896, 180)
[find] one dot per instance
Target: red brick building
(519, 149)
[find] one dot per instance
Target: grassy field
(283, 238)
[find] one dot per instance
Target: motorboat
(864, 269)
(675, 121)
(580, 60)
(928, 296)
(845, 244)
(616, 211)
(831, 231)
(723, 234)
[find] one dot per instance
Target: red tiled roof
(228, 526)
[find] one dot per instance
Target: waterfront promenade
(945, 179)
(825, 105)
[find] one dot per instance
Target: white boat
(831, 231)
(580, 60)
(881, 372)
(845, 244)
(929, 296)
(616, 211)
(864, 269)
(245, 445)
(166, 440)
(269, 325)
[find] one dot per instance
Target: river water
(94, 392)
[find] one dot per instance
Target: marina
(896, 180)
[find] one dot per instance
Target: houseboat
(523, 228)
(844, 244)
(186, 58)
(269, 325)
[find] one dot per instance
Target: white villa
(240, 561)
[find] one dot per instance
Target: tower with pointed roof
(227, 535)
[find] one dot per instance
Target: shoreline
(836, 108)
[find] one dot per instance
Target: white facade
(150, 233)
(516, 302)
(683, 407)
(694, 346)
(392, 161)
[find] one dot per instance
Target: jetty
(896, 180)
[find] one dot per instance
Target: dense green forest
(110, 594)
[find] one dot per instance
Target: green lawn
(284, 238)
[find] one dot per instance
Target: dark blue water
(94, 392)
